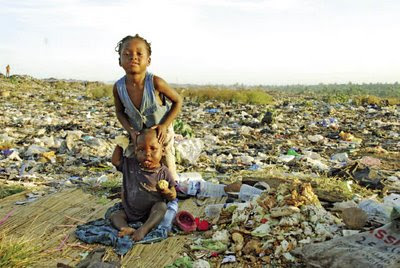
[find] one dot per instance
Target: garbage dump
(295, 178)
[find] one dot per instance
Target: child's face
(134, 56)
(148, 150)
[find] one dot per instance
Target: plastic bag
(372, 249)
(189, 149)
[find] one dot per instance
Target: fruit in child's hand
(163, 184)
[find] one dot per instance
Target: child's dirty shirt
(138, 201)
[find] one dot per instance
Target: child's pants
(168, 158)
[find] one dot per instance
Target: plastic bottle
(194, 186)
(208, 189)
(247, 192)
(172, 209)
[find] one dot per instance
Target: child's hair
(118, 48)
(149, 131)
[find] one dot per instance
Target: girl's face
(134, 56)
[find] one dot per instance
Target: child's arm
(117, 156)
(122, 118)
(162, 87)
(169, 193)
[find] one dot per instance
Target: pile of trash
(265, 229)
(287, 226)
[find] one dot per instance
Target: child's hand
(161, 132)
(167, 193)
(162, 185)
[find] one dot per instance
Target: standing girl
(140, 98)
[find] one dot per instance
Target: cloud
(260, 6)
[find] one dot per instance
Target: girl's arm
(162, 87)
(122, 118)
(117, 156)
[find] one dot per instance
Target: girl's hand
(134, 135)
(161, 132)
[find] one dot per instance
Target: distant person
(140, 98)
(8, 70)
(143, 196)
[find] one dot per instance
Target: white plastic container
(189, 182)
(248, 192)
(208, 189)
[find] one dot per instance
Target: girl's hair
(118, 48)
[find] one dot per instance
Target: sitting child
(143, 197)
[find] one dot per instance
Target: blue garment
(150, 112)
(101, 231)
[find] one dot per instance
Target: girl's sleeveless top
(150, 112)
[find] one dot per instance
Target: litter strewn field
(318, 159)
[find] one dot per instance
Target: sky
(252, 42)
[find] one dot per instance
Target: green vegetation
(359, 94)
(112, 183)
(349, 89)
(252, 96)
(102, 200)
(17, 252)
(6, 190)
(182, 128)
(109, 187)
(99, 90)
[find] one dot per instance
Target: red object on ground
(202, 225)
(185, 221)
(214, 254)
(264, 220)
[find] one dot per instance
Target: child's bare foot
(126, 231)
(139, 234)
